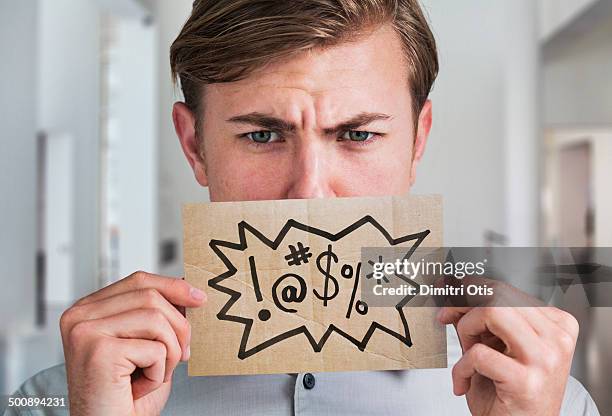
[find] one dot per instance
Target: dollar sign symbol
(329, 255)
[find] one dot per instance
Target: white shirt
(409, 392)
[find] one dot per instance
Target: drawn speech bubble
(305, 281)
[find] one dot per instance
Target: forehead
(367, 72)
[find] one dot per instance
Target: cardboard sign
(282, 279)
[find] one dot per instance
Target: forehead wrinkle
(298, 108)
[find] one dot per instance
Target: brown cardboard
(312, 333)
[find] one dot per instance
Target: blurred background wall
(93, 175)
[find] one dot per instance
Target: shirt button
(309, 381)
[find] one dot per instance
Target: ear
(420, 139)
(184, 125)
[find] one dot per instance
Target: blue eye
(357, 135)
(263, 136)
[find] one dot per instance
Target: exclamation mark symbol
(263, 314)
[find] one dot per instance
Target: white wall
(576, 78)
(176, 182)
(68, 102)
(136, 109)
(465, 160)
(18, 37)
(555, 14)
(521, 124)
(48, 81)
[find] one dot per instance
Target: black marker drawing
(263, 314)
(347, 272)
(255, 279)
(299, 255)
(329, 255)
(294, 288)
(289, 294)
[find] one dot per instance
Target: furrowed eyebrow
(356, 122)
(279, 125)
(265, 121)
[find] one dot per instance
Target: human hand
(516, 360)
(122, 343)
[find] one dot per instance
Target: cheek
(243, 177)
(383, 171)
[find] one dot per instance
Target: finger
(148, 324)
(452, 314)
(539, 321)
(509, 296)
(487, 362)
(136, 299)
(506, 323)
(564, 330)
(150, 356)
(506, 294)
(503, 294)
(566, 321)
(177, 291)
(479, 298)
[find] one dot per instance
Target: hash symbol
(296, 257)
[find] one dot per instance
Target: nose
(311, 172)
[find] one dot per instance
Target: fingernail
(197, 294)
(187, 353)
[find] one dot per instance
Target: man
(304, 99)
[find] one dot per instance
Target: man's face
(327, 123)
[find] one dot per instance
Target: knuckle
(79, 333)
(161, 351)
(66, 320)
(461, 324)
(566, 342)
(84, 300)
(173, 351)
(461, 330)
(489, 313)
(154, 315)
(478, 353)
(139, 278)
(174, 354)
(81, 301)
(151, 297)
(455, 372)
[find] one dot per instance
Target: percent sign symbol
(348, 272)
